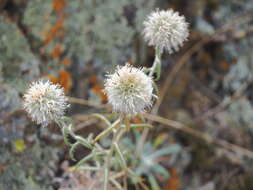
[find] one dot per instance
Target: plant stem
(116, 136)
(107, 131)
(158, 54)
(156, 61)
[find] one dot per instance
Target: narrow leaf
(101, 117)
(107, 131)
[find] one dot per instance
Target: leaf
(90, 168)
(116, 184)
(142, 125)
(87, 158)
(72, 150)
(153, 182)
(107, 131)
(160, 169)
(65, 133)
(102, 118)
(168, 150)
(122, 159)
(83, 141)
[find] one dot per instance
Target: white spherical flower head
(45, 102)
(129, 90)
(165, 30)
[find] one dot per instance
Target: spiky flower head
(45, 102)
(129, 90)
(165, 30)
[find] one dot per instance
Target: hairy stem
(116, 137)
(156, 63)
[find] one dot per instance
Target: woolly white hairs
(45, 102)
(129, 90)
(165, 30)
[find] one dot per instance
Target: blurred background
(207, 85)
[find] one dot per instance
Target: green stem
(141, 125)
(107, 131)
(116, 136)
(156, 63)
(102, 118)
(89, 168)
(123, 162)
(87, 158)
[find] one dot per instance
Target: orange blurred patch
(64, 79)
(136, 120)
(66, 61)
(56, 30)
(57, 51)
(174, 181)
(58, 5)
(224, 65)
(48, 38)
(52, 78)
(98, 90)
(93, 80)
(58, 26)
(2, 168)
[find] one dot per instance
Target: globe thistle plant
(166, 30)
(129, 90)
(45, 102)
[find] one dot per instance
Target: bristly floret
(165, 30)
(129, 90)
(45, 102)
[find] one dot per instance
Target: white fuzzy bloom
(165, 30)
(129, 90)
(45, 102)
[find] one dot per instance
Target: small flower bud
(129, 90)
(45, 102)
(165, 30)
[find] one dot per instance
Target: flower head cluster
(129, 90)
(45, 102)
(165, 30)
